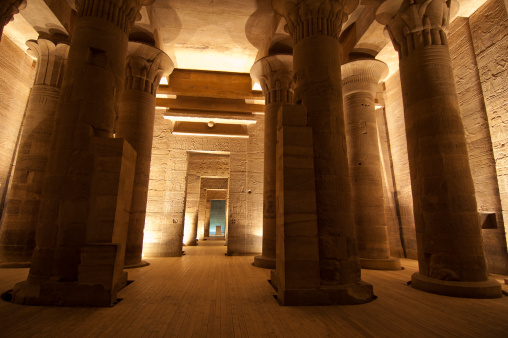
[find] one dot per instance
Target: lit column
(82, 226)
(450, 250)
(17, 235)
(360, 79)
(7, 10)
(275, 75)
(145, 67)
(315, 27)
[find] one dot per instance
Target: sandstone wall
(17, 71)
(489, 32)
(394, 110)
(479, 145)
(168, 183)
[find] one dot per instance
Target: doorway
(217, 225)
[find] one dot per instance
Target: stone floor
(206, 293)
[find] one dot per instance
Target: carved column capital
(275, 75)
(314, 17)
(145, 67)
(362, 76)
(121, 13)
(51, 61)
(7, 10)
(414, 24)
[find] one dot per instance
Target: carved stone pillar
(17, 236)
(450, 250)
(145, 67)
(83, 222)
(315, 27)
(7, 10)
(360, 79)
(275, 75)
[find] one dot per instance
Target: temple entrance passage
(217, 225)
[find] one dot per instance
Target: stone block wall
(479, 145)
(17, 72)
(168, 188)
(489, 32)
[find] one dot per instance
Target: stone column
(315, 27)
(450, 250)
(82, 225)
(7, 10)
(275, 75)
(145, 67)
(360, 79)
(17, 236)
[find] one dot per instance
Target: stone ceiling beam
(210, 84)
(209, 104)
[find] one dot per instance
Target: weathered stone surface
(489, 32)
(275, 75)
(360, 80)
(145, 67)
(17, 71)
(314, 27)
(85, 164)
(479, 145)
(26, 188)
(448, 234)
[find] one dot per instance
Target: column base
(264, 262)
(140, 264)
(350, 294)
(380, 264)
(487, 289)
(54, 293)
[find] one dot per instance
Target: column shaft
(135, 124)
(275, 75)
(145, 67)
(319, 88)
(450, 249)
(81, 212)
(360, 79)
(17, 236)
(315, 27)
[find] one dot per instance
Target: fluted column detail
(315, 26)
(17, 236)
(7, 10)
(450, 250)
(145, 67)
(360, 80)
(275, 75)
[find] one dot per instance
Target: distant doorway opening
(217, 227)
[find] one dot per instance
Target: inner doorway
(217, 224)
